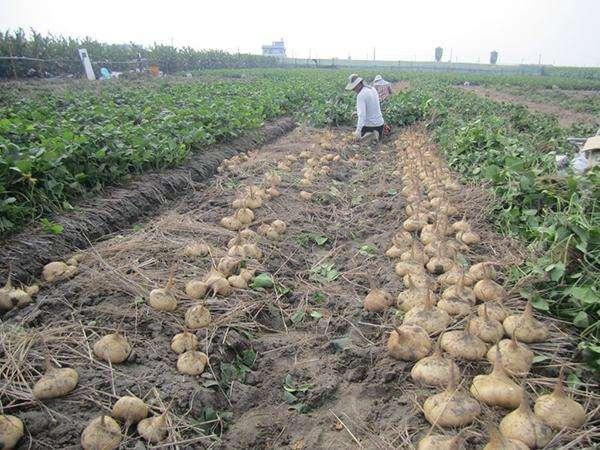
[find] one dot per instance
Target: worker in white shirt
(383, 88)
(370, 121)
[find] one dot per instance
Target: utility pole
(373, 53)
(540, 60)
(450, 55)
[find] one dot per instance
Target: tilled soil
(298, 366)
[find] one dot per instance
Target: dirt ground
(299, 366)
(565, 117)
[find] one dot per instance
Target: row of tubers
(441, 290)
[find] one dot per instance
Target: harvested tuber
(55, 382)
(523, 425)
(482, 270)
(499, 442)
(130, 409)
(11, 430)
(228, 265)
(196, 249)
(192, 362)
(525, 326)
(431, 319)
(153, 429)
(231, 223)
(196, 289)
(440, 442)
(488, 290)
(197, 316)
(184, 341)
(112, 348)
(494, 311)
(244, 215)
(434, 370)
(497, 389)
(238, 282)
(462, 344)
(279, 226)
(409, 343)
(454, 276)
(451, 408)
(58, 271)
(102, 433)
(162, 299)
(412, 297)
(557, 410)
(516, 357)
(485, 328)
(377, 300)
(468, 237)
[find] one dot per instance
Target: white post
(87, 64)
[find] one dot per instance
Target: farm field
(313, 343)
(570, 107)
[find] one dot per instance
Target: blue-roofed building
(277, 48)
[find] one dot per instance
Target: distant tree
(438, 54)
(493, 57)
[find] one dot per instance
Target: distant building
(277, 48)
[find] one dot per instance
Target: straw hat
(353, 81)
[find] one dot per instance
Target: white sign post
(87, 64)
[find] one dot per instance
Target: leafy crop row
(59, 144)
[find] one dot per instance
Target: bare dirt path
(298, 366)
(565, 117)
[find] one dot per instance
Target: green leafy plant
(324, 273)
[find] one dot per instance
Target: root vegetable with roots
(523, 425)
(434, 370)
(196, 249)
(377, 300)
(102, 433)
(488, 290)
(184, 341)
(428, 316)
(485, 328)
(163, 299)
(113, 348)
(409, 343)
(440, 442)
(517, 358)
(58, 271)
(525, 327)
(192, 362)
(153, 429)
(197, 316)
(499, 442)
(557, 410)
(130, 409)
(11, 430)
(497, 389)
(462, 344)
(452, 407)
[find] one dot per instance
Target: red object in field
(387, 129)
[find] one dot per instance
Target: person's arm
(361, 111)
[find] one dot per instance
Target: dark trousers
(365, 130)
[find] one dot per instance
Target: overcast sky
(564, 32)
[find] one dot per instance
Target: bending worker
(370, 121)
(383, 88)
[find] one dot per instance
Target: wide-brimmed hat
(353, 81)
(377, 78)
